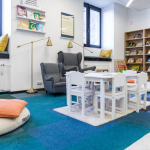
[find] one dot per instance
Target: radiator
(4, 78)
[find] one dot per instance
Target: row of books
(30, 14)
(30, 25)
(135, 45)
(134, 52)
(139, 60)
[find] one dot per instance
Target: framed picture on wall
(67, 26)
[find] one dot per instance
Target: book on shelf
(140, 52)
(36, 16)
(133, 52)
(42, 17)
(137, 36)
(30, 14)
(32, 25)
(127, 52)
(148, 68)
(139, 44)
(147, 43)
(148, 60)
(139, 60)
(135, 68)
(148, 52)
(22, 24)
(131, 60)
(132, 44)
(21, 11)
(39, 27)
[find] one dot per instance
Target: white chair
(130, 72)
(78, 79)
(138, 89)
(119, 80)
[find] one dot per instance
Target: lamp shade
(49, 43)
(70, 44)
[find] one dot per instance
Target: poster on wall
(32, 3)
(67, 26)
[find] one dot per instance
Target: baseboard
(17, 92)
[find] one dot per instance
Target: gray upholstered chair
(52, 78)
(72, 62)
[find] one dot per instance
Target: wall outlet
(39, 83)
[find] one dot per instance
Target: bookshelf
(26, 19)
(129, 39)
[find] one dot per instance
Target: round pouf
(7, 124)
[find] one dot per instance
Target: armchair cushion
(63, 79)
(52, 70)
(70, 60)
(60, 84)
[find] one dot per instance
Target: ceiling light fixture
(129, 3)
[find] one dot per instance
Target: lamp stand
(31, 90)
(49, 43)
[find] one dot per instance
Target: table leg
(102, 99)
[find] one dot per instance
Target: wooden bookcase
(129, 39)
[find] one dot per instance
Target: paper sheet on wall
(67, 25)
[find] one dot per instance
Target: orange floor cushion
(132, 81)
(11, 108)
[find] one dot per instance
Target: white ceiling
(136, 4)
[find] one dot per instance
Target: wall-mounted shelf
(32, 8)
(29, 19)
(26, 18)
(35, 31)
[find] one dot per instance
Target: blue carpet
(50, 130)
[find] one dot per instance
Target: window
(92, 26)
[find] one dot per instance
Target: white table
(102, 78)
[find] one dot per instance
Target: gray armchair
(72, 62)
(52, 78)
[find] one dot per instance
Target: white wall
(20, 57)
(138, 19)
(120, 27)
(108, 30)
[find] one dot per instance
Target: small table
(102, 78)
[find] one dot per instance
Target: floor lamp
(71, 46)
(49, 43)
